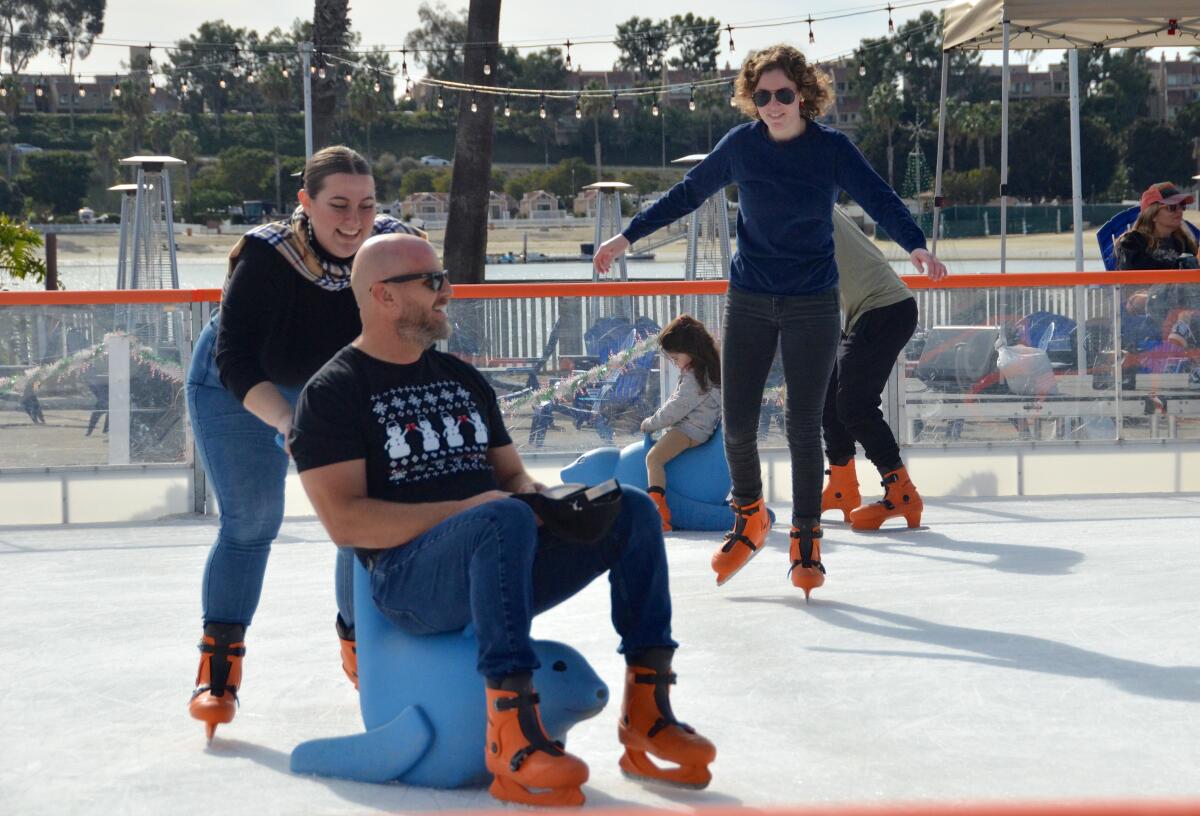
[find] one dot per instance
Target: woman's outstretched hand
(928, 264)
(608, 251)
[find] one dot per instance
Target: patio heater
(128, 195)
(147, 254)
(708, 255)
(608, 224)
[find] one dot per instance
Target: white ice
(1013, 650)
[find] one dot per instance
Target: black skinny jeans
(864, 361)
(805, 328)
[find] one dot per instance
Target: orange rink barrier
(491, 291)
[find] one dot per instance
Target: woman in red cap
(1159, 239)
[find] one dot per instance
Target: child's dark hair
(687, 335)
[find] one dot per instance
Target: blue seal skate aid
(423, 704)
(697, 479)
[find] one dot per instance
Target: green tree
(1116, 85)
(186, 147)
(698, 40)
(1157, 152)
(567, 177)
(642, 44)
(57, 179)
(432, 43)
(133, 106)
(1040, 152)
(18, 251)
(74, 26)
(980, 121)
(202, 62)
(24, 28)
(416, 181)
(246, 172)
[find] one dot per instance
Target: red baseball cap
(1165, 193)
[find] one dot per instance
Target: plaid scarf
(294, 240)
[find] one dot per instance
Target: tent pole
(1004, 82)
(937, 183)
(1076, 165)
(1077, 210)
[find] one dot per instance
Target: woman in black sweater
(286, 308)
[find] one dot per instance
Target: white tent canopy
(1042, 24)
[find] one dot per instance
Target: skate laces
(218, 670)
(806, 539)
(662, 683)
(531, 728)
(739, 525)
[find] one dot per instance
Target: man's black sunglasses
(434, 280)
(786, 96)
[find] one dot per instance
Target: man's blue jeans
(492, 566)
(246, 469)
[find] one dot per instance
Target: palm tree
(884, 106)
(466, 227)
(331, 35)
(594, 106)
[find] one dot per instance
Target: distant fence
(982, 221)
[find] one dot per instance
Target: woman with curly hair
(783, 282)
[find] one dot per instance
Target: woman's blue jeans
(247, 469)
(492, 566)
(805, 329)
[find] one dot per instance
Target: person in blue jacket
(783, 282)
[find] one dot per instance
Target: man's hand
(608, 251)
(928, 264)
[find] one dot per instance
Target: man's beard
(422, 329)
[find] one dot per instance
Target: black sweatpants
(865, 358)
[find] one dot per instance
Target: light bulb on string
(3, 91)
(891, 25)
(39, 90)
(441, 103)
(542, 107)
(811, 38)
(183, 87)
(404, 64)
(474, 104)
(616, 112)
(507, 106)
(349, 77)
(568, 55)
(487, 69)
(153, 88)
(285, 73)
(377, 86)
(908, 54)
(408, 90)
(654, 107)
(692, 99)
(117, 91)
(222, 83)
(321, 72)
(82, 92)
(862, 69)
(250, 77)
(729, 28)
(732, 97)
(578, 106)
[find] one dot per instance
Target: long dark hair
(687, 335)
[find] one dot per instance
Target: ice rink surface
(1012, 650)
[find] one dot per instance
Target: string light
(811, 38)
(474, 104)
(908, 54)
(729, 28)
(39, 90)
(487, 69)
(408, 90)
(249, 76)
(862, 69)
(654, 107)
(404, 63)
(117, 91)
(692, 99)
(312, 69)
(82, 91)
(183, 87)
(507, 106)
(349, 77)
(568, 55)
(441, 103)
(542, 107)
(616, 111)
(3, 91)
(285, 72)
(222, 83)
(153, 88)
(378, 86)
(578, 106)
(891, 25)
(732, 96)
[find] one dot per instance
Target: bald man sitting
(405, 456)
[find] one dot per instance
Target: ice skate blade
(507, 790)
(210, 731)
(888, 530)
(722, 581)
(638, 766)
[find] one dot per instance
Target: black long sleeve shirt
(275, 325)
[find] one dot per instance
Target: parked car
(22, 147)
(434, 161)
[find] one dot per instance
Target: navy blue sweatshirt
(786, 192)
